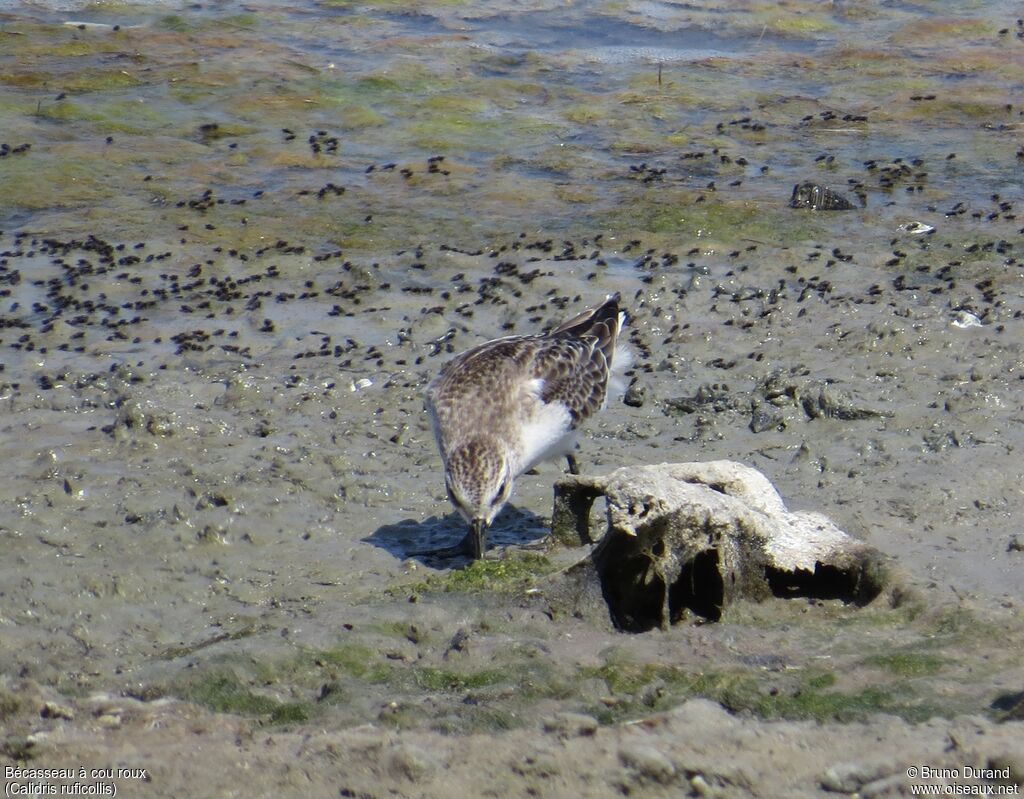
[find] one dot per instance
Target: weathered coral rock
(692, 537)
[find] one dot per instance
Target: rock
(692, 537)
(409, 762)
(700, 786)
(214, 534)
(648, 762)
(634, 396)
(18, 747)
(826, 400)
(765, 417)
(709, 397)
(570, 725)
(850, 777)
(886, 786)
(54, 710)
(459, 643)
(135, 414)
(818, 198)
(816, 398)
(575, 592)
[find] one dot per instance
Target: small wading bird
(501, 408)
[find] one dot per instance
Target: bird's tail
(604, 323)
(589, 323)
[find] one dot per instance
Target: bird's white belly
(546, 435)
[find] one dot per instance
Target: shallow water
(245, 235)
(552, 119)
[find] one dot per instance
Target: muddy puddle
(239, 238)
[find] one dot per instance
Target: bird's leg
(574, 467)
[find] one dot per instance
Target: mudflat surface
(243, 239)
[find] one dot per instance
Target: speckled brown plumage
(503, 406)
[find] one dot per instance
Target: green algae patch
(908, 664)
(109, 115)
(411, 79)
(799, 24)
(624, 677)
(290, 713)
(35, 184)
(24, 79)
(173, 22)
(57, 42)
(355, 660)
(942, 29)
(380, 85)
(247, 21)
(868, 62)
(224, 692)
(695, 214)
(638, 689)
(844, 706)
(971, 107)
(436, 679)
(445, 131)
(358, 117)
(97, 80)
(811, 693)
(9, 704)
(478, 720)
(454, 104)
(585, 114)
(512, 572)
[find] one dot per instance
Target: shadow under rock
(426, 541)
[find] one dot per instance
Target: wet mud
(238, 240)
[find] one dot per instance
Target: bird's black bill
(472, 546)
(476, 539)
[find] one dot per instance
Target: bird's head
(479, 479)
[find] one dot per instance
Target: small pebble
(701, 787)
(409, 762)
(53, 710)
(634, 396)
(648, 762)
(849, 777)
(966, 319)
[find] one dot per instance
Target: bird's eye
(501, 493)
